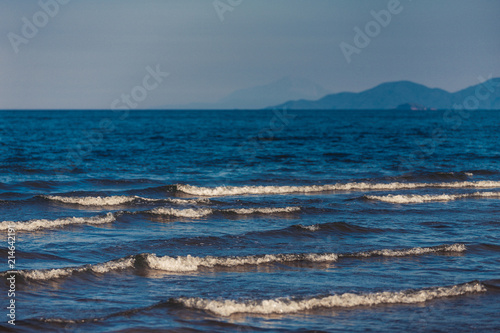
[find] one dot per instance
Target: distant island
(301, 94)
(405, 95)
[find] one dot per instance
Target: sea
(250, 221)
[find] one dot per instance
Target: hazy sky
(87, 53)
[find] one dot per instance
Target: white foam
(189, 201)
(415, 198)
(47, 274)
(408, 252)
(314, 227)
(347, 300)
(93, 201)
(119, 200)
(363, 186)
(196, 213)
(264, 210)
(190, 263)
(49, 224)
(176, 264)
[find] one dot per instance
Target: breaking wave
(197, 213)
(415, 198)
(48, 274)
(363, 186)
(189, 263)
(347, 300)
(33, 225)
(92, 201)
(39, 224)
(119, 200)
(408, 252)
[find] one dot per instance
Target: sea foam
(415, 198)
(347, 300)
(47, 274)
(362, 186)
(93, 201)
(119, 200)
(194, 213)
(190, 263)
(409, 252)
(197, 213)
(33, 225)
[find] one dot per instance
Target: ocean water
(250, 221)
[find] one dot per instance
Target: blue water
(251, 221)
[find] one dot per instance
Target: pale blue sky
(92, 51)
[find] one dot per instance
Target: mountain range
(405, 95)
(301, 94)
(260, 97)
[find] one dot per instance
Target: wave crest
(50, 224)
(408, 252)
(415, 198)
(48, 274)
(264, 210)
(191, 263)
(347, 300)
(93, 201)
(119, 200)
(363, 186)
(197, 213)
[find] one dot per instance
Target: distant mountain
(406, 95)
(259, 97)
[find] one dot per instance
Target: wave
(57, 273)
(118, 200)
(363, 186)
(264, 210)
(415, 198)
(347, 300)
(188, 201)
(194, 213)
(33, 225)
(183, 264)
(407, 252)
(92, 201)
(197, 213)
(191, 264)
(289, 305)
(39, 224)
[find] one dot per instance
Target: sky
(89, 54)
